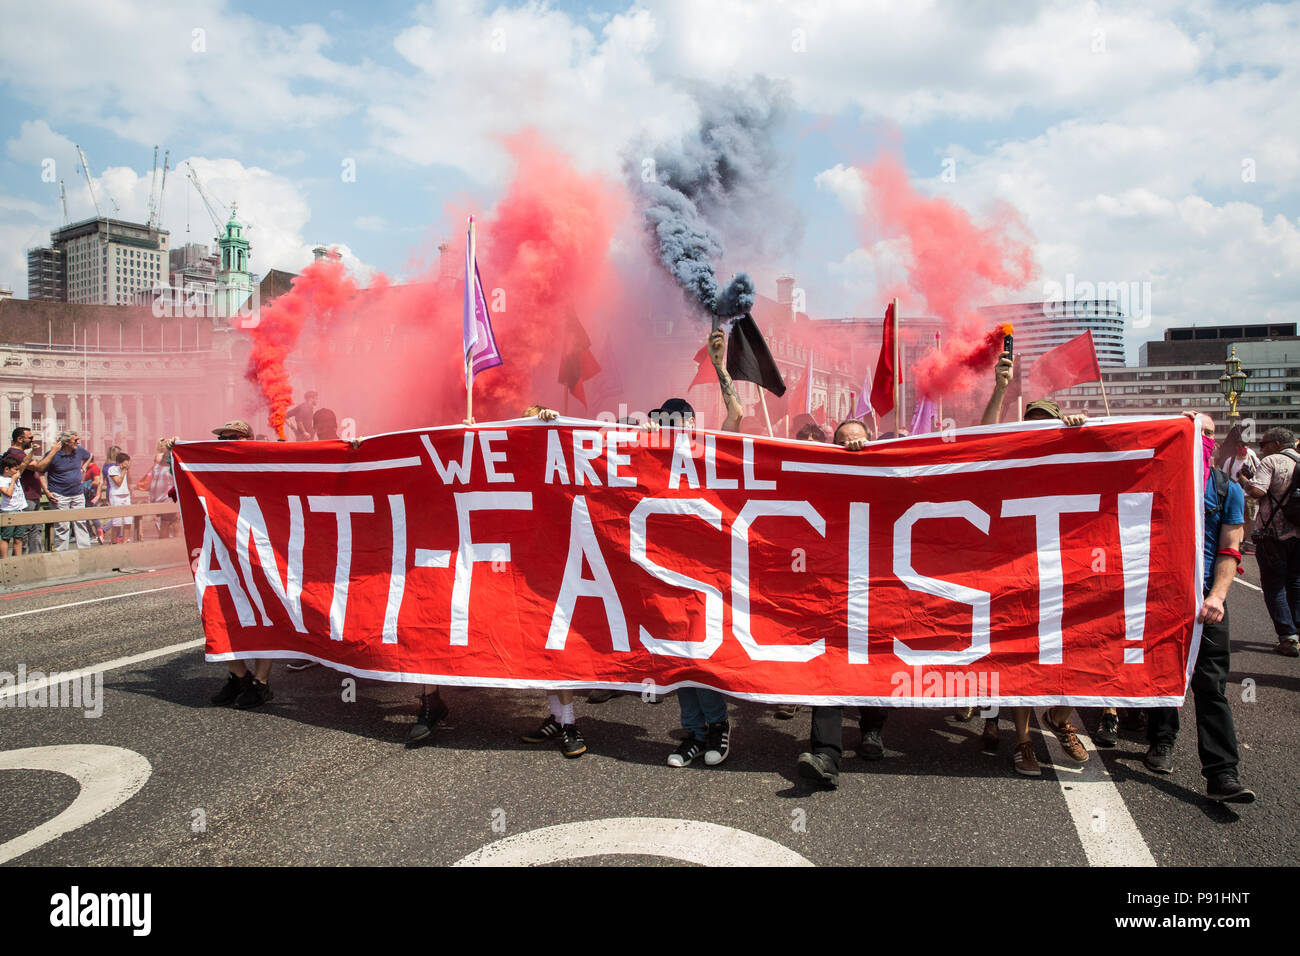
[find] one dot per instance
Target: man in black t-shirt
(299, 419)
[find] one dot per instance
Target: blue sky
(1153, 142)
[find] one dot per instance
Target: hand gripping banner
(1029, 563)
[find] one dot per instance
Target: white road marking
(109, 776)
(1253, 587)
(111, 597)
(691, 841)
(65, 676)
(1106, 828)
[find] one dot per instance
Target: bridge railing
(28, 569)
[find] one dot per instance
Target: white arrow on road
(692, 841)
(109, 776)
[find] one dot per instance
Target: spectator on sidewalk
(21, 448)
(1276, 537)
(12, 501)
(62, 466)
(119, 494)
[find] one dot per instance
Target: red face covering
(1207, 443)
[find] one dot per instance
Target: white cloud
(141, 70)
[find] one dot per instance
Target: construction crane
(213, 205)
(155, 193)
(89, 185)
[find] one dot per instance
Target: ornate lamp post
(1232, 383)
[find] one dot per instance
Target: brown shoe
(1025, 762)
(786, 711)
(989, 738)
(1070, 742)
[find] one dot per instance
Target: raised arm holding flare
(730, 397)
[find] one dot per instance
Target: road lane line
(1253, 587)
(1106, 828)
(111, 597)
(64, 676)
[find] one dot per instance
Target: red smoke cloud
(317, 296)
(955, 265)
(389, 356)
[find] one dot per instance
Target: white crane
(89, 184)
(213, 205)
(156, 192)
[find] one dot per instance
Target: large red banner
(1015, 564)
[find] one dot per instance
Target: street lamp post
(1232, 383)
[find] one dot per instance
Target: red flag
(799, 398)
(704, 374)
(1073, 363)
(577, 364)
(882, 385)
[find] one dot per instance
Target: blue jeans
(700, 708)
(1279, 573)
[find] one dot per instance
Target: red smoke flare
(317, 295)
(388, 357)
(955, 265)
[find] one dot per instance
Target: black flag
(748, 358)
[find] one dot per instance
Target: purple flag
(864, 411)
(923, 419)
(481, 352)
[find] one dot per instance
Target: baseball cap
(237, 426)
(1045, 405)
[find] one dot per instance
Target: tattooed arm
(717, 354)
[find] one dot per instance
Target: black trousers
(828, 728)
(1216, 737)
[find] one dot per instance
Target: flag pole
(1102, 383)
(767, 420)
(937, 342)
(898, 378)
(469, 372)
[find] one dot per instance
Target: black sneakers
(549, 730)
(1226, 788)
(686, 751)
(1160, 758)
(432, 711)
(254, 695)
(231, 689)
(717, 743)
(571, 742)
(1107, 734)
(871, 747)
(819, 768)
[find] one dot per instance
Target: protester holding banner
(822, 762)
(1216, 737)
(243, 688)
(561, 725)
(1056, 718)
(704, 711)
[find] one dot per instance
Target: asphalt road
(314, 779)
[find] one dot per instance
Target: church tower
(234, 281)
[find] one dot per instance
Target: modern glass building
(1042, 326)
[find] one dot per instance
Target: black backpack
(1289, 503)
(1220, 496)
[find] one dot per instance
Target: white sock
(566, 716)
(556, 710)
